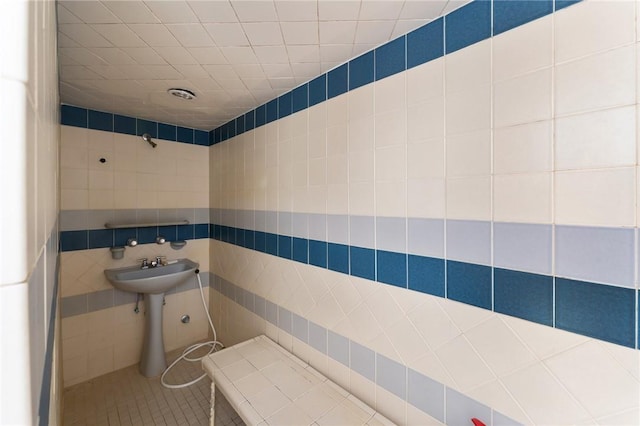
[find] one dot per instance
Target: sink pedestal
(153, 282)
(153, 361)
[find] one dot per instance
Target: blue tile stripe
(98, 120)
(515, 293)
(472, 23)
(102, 238)
(506, 290)
(535, 297)
(409, 385)
(476, 21)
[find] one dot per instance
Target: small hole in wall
(103, 160)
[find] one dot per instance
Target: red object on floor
(477, 422)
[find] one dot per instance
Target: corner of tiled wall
(469, 220)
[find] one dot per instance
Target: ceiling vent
(182, 93)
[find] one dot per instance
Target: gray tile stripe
(417, 389)
(80, 220)
(600, 255)
(594, 254)
(603, 255)
(104, 299)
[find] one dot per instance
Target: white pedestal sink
(153, 282)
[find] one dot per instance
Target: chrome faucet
(159, 261)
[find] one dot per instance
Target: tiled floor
(125, 397)
(225, 414)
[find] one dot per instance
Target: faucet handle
(161, 260)
(145, 262)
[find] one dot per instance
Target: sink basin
(154, 282)
(151, 280)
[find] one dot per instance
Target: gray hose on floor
(213, 344)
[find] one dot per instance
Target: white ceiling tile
(144, 55)
(165, 100)
(207, 55)
(109, 72)
(205, 83)
(297, 10)
(64, 41)
(206, 98)
(253, 49)
(263, 95)
(241, 104)
(220, 95)
(239, 55)
(221, 72)
(76, 91)
(176, 55)
(191, 35)
(227, 34)
(164, 71)
(359, 49)
(84, 35)
(306, 71)
(309, 53)
(66, 17)
(300, 32)
(214, 11)
(263, 33)
(257, 83)
(239, 96)
(335, 52)
(329, 10)
(422, 9)
(282, 83)
(172, 11)
(301, 80)
(78, 72)
(112, 55)
(338, 32)
(127, 88)
(155, 35)
(326, 66)
(81, 55)
(119, 35)
(132, 12)
(84, 85)
(453, 5)
(374, 32)
(406, 26)
(376, 10)
(271, 54)
(163, 85)
(245, 71)
(134, 71)
(255, 11)
(91, 12)
(277, 70)
(191, 71)
(231, 83)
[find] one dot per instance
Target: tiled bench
(266, 385)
